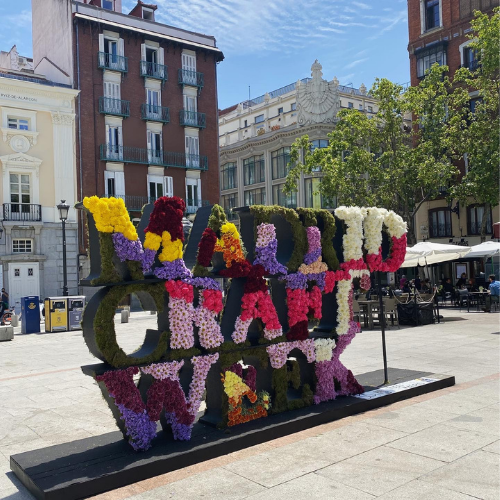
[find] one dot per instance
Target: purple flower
(295, 281)
(266, 256)
(138, 427)
(173, 270)
(313, 256)
(205, 283)
(181, 432)
(148, 259)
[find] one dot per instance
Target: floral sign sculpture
(270, 343)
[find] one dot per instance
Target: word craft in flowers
(256, 326)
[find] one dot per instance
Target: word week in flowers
(240, 352)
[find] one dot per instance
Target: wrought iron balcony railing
(113, 62)
(192, 118)
(125, 154)
(191, 78)
(22, 212)
(132, 203)
(155, 113)
(116, 107)
(154, 70)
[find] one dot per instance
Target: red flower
(180, 290)
(256, 280)
(237, 270)
(212, 300)
(167, 216)
(206, 247)
(299, 331)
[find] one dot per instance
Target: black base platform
(90, 466)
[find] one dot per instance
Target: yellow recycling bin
(56, 314)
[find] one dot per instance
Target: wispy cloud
(361, 5)
(21, 20)
(356, 62)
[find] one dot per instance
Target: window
(159, 186)
(108, 4)
(280, 111)
(17, 123)
(192, 152)
(473, 104)
(350, 105)
(370, 109)
(282, 199)
(255, 197)
(189, 75)
(259, 119)
(428, 56)
(155, 147)
(293, 106)
(111, 46)
(153, 104)
(193, 195)
(21, 246)
(440, 223)
(313, 198)
(229, 201)
(229, 176)
(253, 170)
(191, 107)
(470, 59)
(20, 191)
(475, 215)
(148, 14)
(114, 141)
(432, 14)
(114, 184)
(246, 124)
(279, 161)
(319, 143)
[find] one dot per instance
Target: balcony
(155, 113)
(192, 119)
(153, 70)
(112, 62)
(22, 212)
(132, 203)
(115, 107)
(190, 78)
(125, 154)
(193, 205)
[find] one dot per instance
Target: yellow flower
(152, 241)
(171, 250)
(230, 228)
(234, 385)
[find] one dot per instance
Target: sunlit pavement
(443, 445)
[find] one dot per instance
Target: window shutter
(187, 145)
(101, 42)
(119, 184)
(107, 175)
(121, 47)
(143, 51)
(108, 138)
(196, 148)
(168, 186)
(149, 145)
(161, 56)
(187, 194)
(199, 192)
(120, 137)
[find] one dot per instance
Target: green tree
(373, 161)
(476, 131)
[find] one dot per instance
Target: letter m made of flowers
(165, 393)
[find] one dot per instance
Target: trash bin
(75, 312)
(56, 314)
(30, 314)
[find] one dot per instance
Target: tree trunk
(484, 222)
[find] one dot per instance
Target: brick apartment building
(438, 33)
(146, 123)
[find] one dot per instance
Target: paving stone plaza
(444, 445)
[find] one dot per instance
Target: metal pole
(65, 271)
(382, 325)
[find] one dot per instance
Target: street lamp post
(63, 208)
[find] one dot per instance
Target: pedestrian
(402, 282)
(494, 291)
(418, 283)
(4, 304)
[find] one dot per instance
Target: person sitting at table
(471, 285)
(402, 282)
(426, 286)
(418, 283)
(462, 281)
(494, 291)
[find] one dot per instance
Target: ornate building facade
(255, 138)
(38, 161)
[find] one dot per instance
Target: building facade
(38, 161)
(147, 111)
(255, 138)
(438, 34)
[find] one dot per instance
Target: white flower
(324, 349)
(372, 225)
(353, 238)
(395, 224)
(343, 310)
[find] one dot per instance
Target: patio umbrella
(427, 253)
(484, 250)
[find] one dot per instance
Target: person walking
(494, 290)
(4, 305)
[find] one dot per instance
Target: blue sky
(271, 43)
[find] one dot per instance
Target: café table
(368, 307)
(480, 298)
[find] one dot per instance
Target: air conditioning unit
(22, 60)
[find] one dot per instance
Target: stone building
(255, 138)
(438, 33)
(146, 117)
(38, 161)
